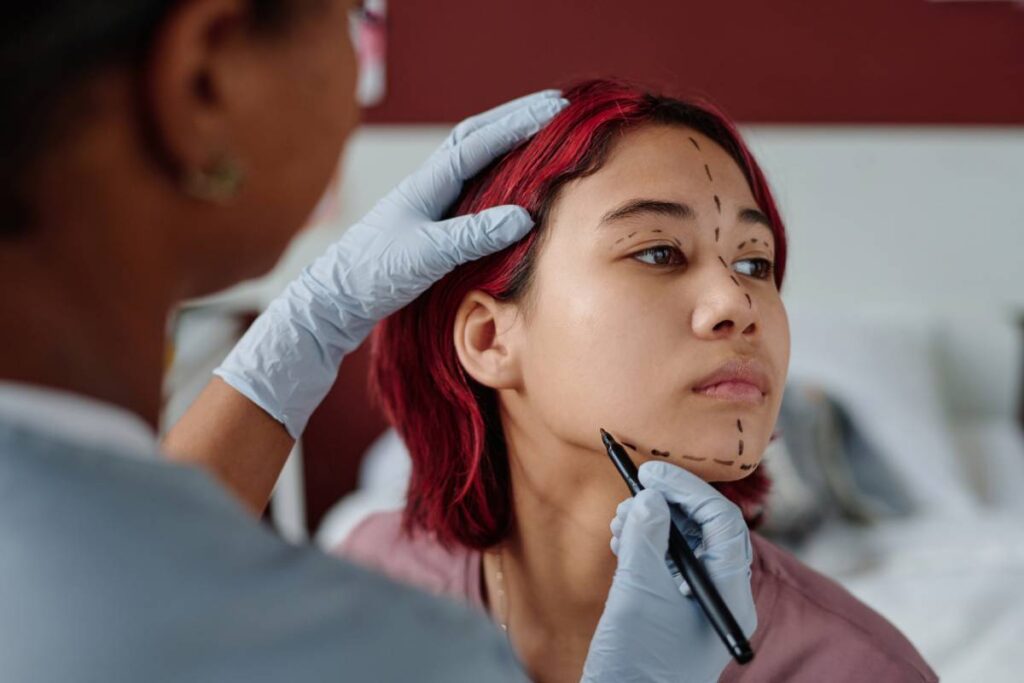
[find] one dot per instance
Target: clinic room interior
(890, 134)
(868, 158)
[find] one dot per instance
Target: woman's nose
(724, 307)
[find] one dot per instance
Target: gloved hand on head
(649, 630)
(288, 360)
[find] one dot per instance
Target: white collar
(76, 418)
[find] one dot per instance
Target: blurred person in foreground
(157, 150)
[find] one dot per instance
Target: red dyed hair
(460, 477)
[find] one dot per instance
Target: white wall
(919, 224)
(896, 218)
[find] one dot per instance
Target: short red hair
(459, 488)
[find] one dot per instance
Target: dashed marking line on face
(739, 425)
(718, 204)
(660, 454)
(678, 242)
(750, 304)
(734, 280)
(716, 234)
(619, 240)
(693, 457)
(747, 467)
(753, 240)
(740, 245)
(657, 230)
(724, 462)
(629, 446)
(695, 144)
(630, 234)
(726, 265)
(708, 171)
(741, 447)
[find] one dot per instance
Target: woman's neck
(557, 562)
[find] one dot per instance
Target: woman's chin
(715, 469)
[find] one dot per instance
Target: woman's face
(652, 275)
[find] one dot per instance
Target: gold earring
(217, 183)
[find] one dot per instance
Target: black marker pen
(693, 572)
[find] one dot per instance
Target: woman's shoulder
(381, 543)
(810, 628)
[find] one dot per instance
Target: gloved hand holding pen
(288, 359)
(649, 631)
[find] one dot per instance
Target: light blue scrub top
(122, 568)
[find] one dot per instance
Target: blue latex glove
(288, 360)
(650, 631)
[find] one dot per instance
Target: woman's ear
(195, 68)
(486, 338)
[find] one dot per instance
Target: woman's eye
(660, 256)
(762, 268)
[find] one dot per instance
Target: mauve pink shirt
(809, 628)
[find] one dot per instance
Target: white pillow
(883, 370)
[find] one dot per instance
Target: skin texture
(106, 264)
(605, 338)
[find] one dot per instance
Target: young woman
(645, 302)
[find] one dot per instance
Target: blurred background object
(892, 132)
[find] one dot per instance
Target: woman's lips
(740, 380)
(733, 390)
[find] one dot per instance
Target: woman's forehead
(672, 163)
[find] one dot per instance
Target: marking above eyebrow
(639, 207)
(735, 280)
(695, 144)
(723, 262)
(740, 245)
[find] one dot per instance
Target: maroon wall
(838, 61)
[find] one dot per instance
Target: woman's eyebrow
(638, 207)
(754, 216)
